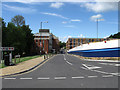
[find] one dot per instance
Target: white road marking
(43, 78)
(69, 63)
(90, 66)
(118, 74)
(60, 78)
(117, 65)
(110, 64)
(102, 60)
(26, 78)
(84, 68)
(107, 76)
(92, 76)
(10, 78)
(77, 77)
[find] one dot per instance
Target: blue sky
(66, 19)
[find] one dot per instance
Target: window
(81, 41)
(74, 42)
(78, 40)
(70, 40)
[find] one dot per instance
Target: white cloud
(95, 17)
(27, 1)
(75, 20)
(56, 5)
(65, 38)
(100, 6)
(54, 14)
(19, 9)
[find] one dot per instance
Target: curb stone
(25, 70)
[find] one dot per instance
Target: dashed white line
(77, 77)
(43, 78)
(10, 78)
(26, 78)
(60, 78)
(107, 76)
(92, 76)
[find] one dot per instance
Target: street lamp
(40, 34)
(43, 22)
(97, 25)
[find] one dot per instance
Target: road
(66, 71)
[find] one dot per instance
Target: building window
(70, 40)
(78, 40)
(89, 40)
(81, 41)
(74, 42)
(36, 40)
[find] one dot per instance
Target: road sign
(7, 48)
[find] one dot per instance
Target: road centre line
(77, 77)
(44, 78)
(26, 78)
(92, 76)
(60, 78)
(10, 78)
(107, 76)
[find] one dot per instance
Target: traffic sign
(7, 48)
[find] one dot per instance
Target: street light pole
(41, 25)
(97, 29)
(97, 25)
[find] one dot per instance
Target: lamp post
(43, 22)
(40, 35)
(97, 20)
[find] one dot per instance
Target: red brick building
(74, 42)
(45, 42)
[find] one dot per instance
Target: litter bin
(6, 60)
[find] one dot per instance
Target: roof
(44, 30)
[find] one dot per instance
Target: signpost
(7, 49)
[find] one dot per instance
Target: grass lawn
(22, 59)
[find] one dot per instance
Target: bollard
(15, 60)
(44, 56)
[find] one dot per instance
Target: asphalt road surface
(65, 71)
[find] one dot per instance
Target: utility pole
(97, 20)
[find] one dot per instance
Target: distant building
(74, 42)
(45, 42)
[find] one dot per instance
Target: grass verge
(22, 59)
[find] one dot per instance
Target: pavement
(20, 67)
(66, 71)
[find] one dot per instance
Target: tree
(20, 37)
(62, 44)
(18, 20)
(115, 35)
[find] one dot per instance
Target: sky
(66, 19)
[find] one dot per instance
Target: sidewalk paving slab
(21, 67)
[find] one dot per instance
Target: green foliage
(19, 37)
(62, 44)
(115, 35)
(18, 20)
